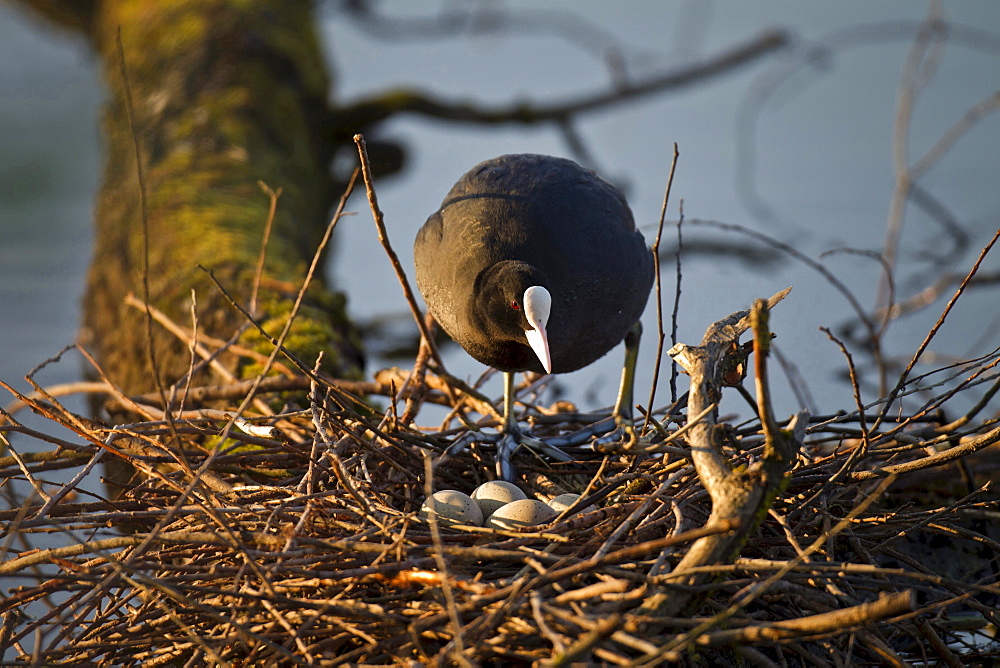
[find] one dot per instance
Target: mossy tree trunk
(225, 94)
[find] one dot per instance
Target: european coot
(533, 263)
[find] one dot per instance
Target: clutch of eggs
(495, 504)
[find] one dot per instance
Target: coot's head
(512, 307)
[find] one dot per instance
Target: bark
(225, 94)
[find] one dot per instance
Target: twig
(952, 454)
(933, 331)
(674, 371)
(760, 587)
(383, 238)
(36, 486)
(584, 643)
(273, 196)
(190, 337)
(887, 605)
(659, 296)
(442, 566)
(858, 453)
(144, 215)
(69, 486)
(875, 341)
(973, 115)
(910, 83)
(58, 390)
(736, 496)
(789, 249)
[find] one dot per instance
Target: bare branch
(887, 605)
(736, 495)
(399, 101)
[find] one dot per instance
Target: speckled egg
(452, 507)
(522, 513)
(496, 493)
(564, 501)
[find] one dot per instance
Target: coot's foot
(511, 437)
(623, 433)
(511, 440)
(617, 427)
(507, 442)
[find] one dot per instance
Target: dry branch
(739, 496)
(864, 614)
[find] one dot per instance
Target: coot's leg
(618, 425)
(511, 436)
(623, 407)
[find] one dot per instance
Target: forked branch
(739, 496)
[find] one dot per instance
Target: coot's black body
(522, 220)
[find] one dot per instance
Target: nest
(294, 539)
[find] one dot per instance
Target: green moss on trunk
(225, 93)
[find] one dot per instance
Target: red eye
(514, 305)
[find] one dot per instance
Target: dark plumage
(525, 220)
